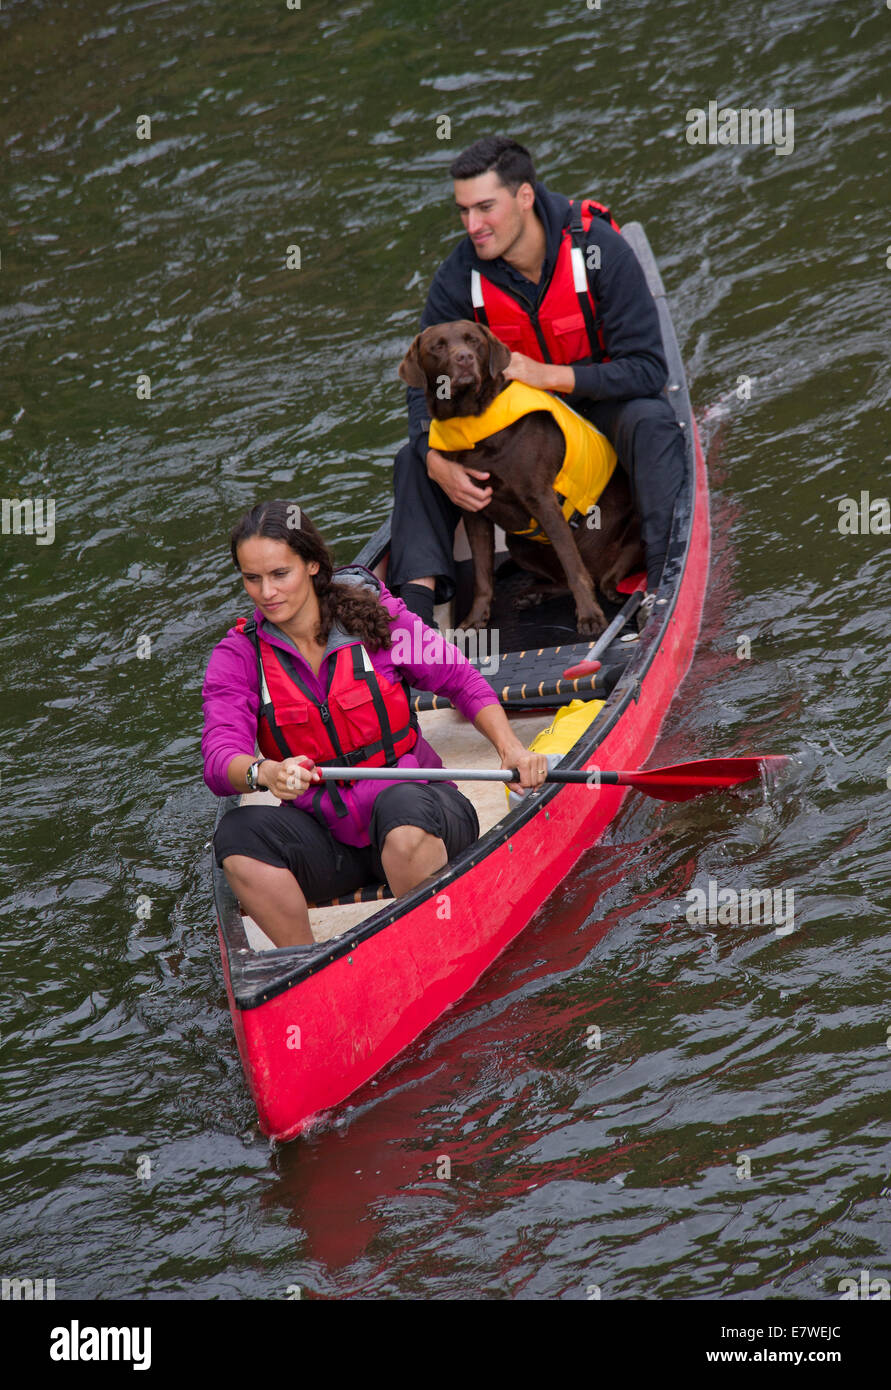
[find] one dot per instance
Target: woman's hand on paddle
(456, 482)
(533, 767)
(494, 724)
(289, 779)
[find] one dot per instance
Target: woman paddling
(312, 678)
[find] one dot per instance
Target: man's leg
(651, 448)
(422, 532)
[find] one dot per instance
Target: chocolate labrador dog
(523, 461)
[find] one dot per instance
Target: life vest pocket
(572, 337)
(294, 723)
(357, 713)
(510, 334)
(292, 716)
(354, 699)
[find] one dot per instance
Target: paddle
(635, 585)
(681, 782)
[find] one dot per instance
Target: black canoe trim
(257, 976)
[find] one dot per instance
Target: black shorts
(292, 839)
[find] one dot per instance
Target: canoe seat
(371, 893)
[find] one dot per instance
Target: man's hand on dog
(547, 376)
(456, 482)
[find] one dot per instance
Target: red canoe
(314, 1023)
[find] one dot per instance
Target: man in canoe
(313, 677)
(556, 282)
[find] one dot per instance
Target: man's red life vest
(565, 327)
(364, 719)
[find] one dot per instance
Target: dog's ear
(410, 369)
(499, 352)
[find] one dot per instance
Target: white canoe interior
(459, 744)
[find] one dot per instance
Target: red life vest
(364, 719)
(565, 327)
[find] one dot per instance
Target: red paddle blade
(686, 780)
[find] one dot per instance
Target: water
(133, 1162)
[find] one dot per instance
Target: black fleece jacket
(625, 307)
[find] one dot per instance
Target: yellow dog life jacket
(588, 462)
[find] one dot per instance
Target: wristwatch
(251, 774)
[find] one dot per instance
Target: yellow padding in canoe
(567, 726)
(564, 730)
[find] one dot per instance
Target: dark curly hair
(357, 611)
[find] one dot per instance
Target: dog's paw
(530, 599)
(590, 623)
(477, 618)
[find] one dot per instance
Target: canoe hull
(309, 1048)
(311, 1033)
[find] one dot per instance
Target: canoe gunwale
(256, 977)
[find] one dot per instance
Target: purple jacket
(231, 696)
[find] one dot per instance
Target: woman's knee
(407, 840)
(257, 881)
(239, 864)
(244, 869)
(253, 831)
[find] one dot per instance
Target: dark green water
(571, 1166)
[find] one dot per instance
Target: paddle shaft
(628, 610)
(449, 774)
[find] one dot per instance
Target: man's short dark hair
(510, 161)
